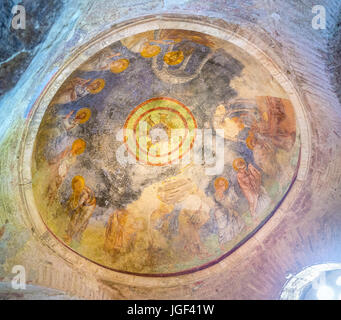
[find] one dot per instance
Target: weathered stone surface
(17, 46)
(31, 293)
(334, 64)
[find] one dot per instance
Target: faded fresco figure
(229, 223)
(264, 154)
(82, 204)
(116, 235)
(78, 88)
(249, 180)
(190, 212)
(61, 165)
(194, 214)
(277, 122)
(147, 46)
(101, 62)
(124, 233)
(158, 229)
(64, 132)
(232, 126)
(82, 116)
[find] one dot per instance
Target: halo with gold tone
(78, 146)
(221, 179)
(100, 85)
(238, 163)
(250, 142)
(119, 65)
(150, 51)
(77, 179)
(82, 111)
(173, 58)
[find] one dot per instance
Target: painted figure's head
(221, 184)
(78, 147)
(239, 164)
(150, 51)
(78, 184)
(119, 65)
(83, 115)
(96, 86)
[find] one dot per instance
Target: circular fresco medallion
(165, 165)
(160, 131)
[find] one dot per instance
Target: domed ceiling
(163, 153)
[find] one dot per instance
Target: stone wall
(334, 63)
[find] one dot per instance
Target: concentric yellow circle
(160, 131)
